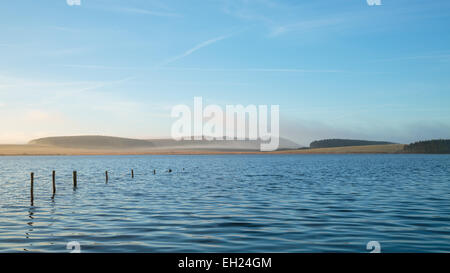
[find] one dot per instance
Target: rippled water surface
(227, 203)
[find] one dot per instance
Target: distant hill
(331, 143)
(92, 142)
(116, 143)
(437, 146)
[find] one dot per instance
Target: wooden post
(74, 179)
(106, 175)
(53, 183)
(154, 171)
(32, 189)
(132, 173)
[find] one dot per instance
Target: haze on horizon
(338, 69)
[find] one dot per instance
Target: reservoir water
(227, 203)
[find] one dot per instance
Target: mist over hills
(119, 143)
(107, 145)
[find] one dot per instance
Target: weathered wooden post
(32, 189)
(74, 179)
(132, 173)
(154, 171)
(53, 183)
(106, 176)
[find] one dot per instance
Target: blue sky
(337, 68)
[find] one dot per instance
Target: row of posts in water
(74, 182)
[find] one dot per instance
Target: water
(227, 203)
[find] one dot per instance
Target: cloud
(20, 124)
(284, 17)
(8, 83)
(31, 86)
(100, 67)
(64, 29)
(195, 48)
(304, 25)
(64, 51)
(19, 137)
(439, 57)
(257, 11)
(106, 83)
(287, 70)
(39, 115)
(148, 12)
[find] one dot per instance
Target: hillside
(92, 142)
(331, 143)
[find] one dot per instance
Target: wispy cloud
(289, 70)
(147, 12)
(64, 29)
(65, 51)
(284, 17)
(441, 57)
(257, 11)
(40, 115)
(8, 83)
(150, 12)
(11, 45)
(195, 48)
(107, 83)
(305, 25)
(100, 67)
(55, 89)
(171, 68)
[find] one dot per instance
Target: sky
(337, 68)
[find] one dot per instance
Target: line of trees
(437, 146)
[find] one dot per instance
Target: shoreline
(40, 150)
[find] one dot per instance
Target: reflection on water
(30, 225)
(229, 203)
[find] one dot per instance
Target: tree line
(436, 146)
